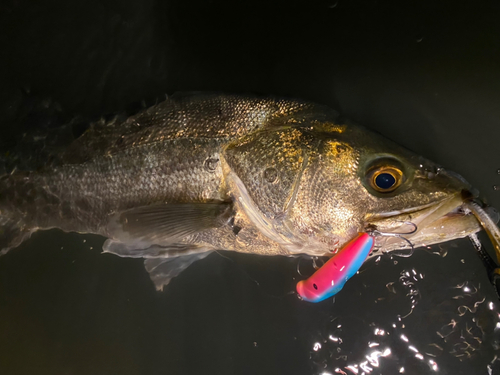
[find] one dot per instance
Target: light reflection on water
(422, 328)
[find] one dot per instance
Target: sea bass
(202, 172)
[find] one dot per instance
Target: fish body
(201, 172)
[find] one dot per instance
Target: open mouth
(443, 221)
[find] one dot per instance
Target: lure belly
(332, 276)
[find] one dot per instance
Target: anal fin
(163, 270)
(162, 262)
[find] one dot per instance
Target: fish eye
(385, 179)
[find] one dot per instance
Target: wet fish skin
(258, 175)
(167, 153)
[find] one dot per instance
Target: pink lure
(330, 279)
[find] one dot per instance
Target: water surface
(425, 76)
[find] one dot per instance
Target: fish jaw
(442, 221)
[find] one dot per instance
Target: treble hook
(376, 232)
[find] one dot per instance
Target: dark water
(425, 75)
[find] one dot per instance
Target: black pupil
(385, 181)
(315, 286)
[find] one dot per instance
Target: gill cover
(265, 170)
(270, 165)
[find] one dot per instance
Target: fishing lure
(332, 276)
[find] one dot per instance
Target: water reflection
(412, 325)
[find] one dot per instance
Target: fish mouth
(426, 225)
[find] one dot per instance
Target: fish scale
(201, 172)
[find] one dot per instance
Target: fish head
(313, 187)
(412, 199)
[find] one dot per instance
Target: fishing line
(489, 263)
(483, 254)
(489, 225)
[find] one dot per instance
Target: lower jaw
(441, 230)
(447, 222)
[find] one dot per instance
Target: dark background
(426, 75)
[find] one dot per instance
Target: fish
(201, 172)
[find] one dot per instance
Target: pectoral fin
(166, 223)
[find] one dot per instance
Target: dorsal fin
(189, 115)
